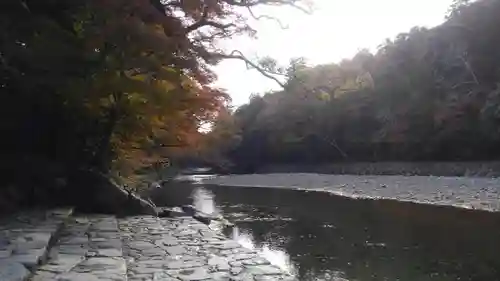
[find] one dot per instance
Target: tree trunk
(102, 158)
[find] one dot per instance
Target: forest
(426, 95)
(114, 87)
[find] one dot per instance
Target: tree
(112, 85)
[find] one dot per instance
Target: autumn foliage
(112, 85)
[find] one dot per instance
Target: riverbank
(450, 169)
(463, 192)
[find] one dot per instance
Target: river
(323, 236)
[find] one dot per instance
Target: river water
(321, 236)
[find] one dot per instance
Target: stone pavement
(88, 249)
(25, 239)
(185, 249)
(53, 245)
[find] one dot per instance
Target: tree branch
(250, 65)
(253, 3)
(266, 17)
(204, 22)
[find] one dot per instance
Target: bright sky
(337, 29)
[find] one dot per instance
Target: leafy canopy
(112, 85)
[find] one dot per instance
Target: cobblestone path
(58, 246)
(185, 249)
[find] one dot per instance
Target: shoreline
(424, 168)
(461, 192)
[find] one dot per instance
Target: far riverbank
(464, 192)
(451, 169)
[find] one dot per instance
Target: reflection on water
(203, 201)
(276, 256)
(194, 178)
(319, 236)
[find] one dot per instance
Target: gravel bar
(464, 192)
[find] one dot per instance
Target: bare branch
(463, 83)
(25, 6)
(266, 17)
(251, 65)
(469, 68)
(253, 3)
(211, 37)
(208, 23)
(204, 22)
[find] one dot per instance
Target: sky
(336, 29)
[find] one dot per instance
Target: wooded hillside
(428, 94)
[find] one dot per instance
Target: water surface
(321, 236)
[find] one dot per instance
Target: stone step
(25, 239)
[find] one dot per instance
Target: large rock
(98, 193)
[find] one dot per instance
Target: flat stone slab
(13, 271)
(84, 253)
(182, 248)
(25, 236)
